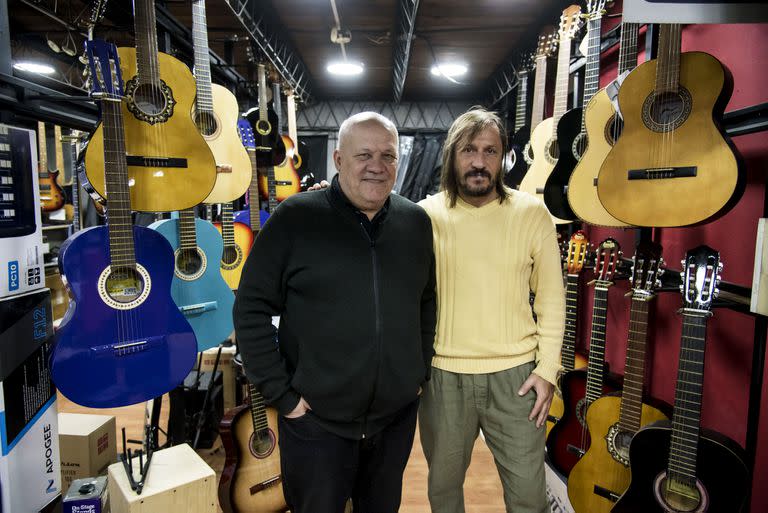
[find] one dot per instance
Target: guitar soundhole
(553, 151)
(613, 129)
(666, 111)
(152, 103)
(581, 411)
(262, 443)
(206, 123)
(528, 153)
(149, 99)
(618, 444)
(579, 145)
(189, 262)
(124, 284)
(679, 497)
(230, 257)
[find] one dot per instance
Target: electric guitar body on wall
(122, 328)
(51, 195)
(671, 149)
(680, 467)
(170, 166)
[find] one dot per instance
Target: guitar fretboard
(42, 150)
(522, 100)
(568, 357)
(597, 343)
(539, 85)
(187, 230)
(227, 224)
(668, 61)
(258, 411)
(592, 67)
(262, 93)
(145, 25)
(253, 194)
(204, 100)
(628, 47)
(561, 83)
(634, 369)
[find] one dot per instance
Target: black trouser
(322, 470)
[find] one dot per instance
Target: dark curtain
(423, 174)
(314, 151)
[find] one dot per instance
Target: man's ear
(337, 159)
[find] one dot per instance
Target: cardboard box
(29, 441)
(227, 371)
(87, 445)
(178, 480)
(21, 252)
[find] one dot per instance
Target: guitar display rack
(150, 435)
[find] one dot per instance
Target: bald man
(350, 270)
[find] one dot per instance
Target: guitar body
(233, 257)
(244, 217)
(233, 164)
(557, 407)
(601, 465)
(571, 430)
(85, 365)
(518, 165)
(570, 141)
(201, 294)
(287, 181)
(270, 149)
(720, 469)
(170, 186)
(696, 143)
(243, 468)
(602, 126)
(51, 194)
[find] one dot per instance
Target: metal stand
(150, 437)
(203, 410)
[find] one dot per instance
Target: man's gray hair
(364, 117)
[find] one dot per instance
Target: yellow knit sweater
(488, 259)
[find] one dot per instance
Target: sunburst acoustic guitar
(238, 239)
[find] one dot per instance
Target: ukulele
(679, 467)
(671, 147)
(571, 137)
(270, 149)
(238, 239)
(51, 194)
(544, 136)
(603, 126)
(170, 167)
(286, 179)
(216, 114)
(577, 250)
(602, 474)
(122, 329)
(251, 479)
(569, 438)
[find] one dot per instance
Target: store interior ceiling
(485, 35)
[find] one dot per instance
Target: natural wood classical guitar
(170, 167)
(545, 49)
(602, 474)
(544, 136)
(251, 480)
(569, 439)
(51, 195)
(216, 113)
(672, 151)
(578, 247)
(679, 467)
(603, 126)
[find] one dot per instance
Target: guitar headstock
(700, 276)
(104, 69)
(595, 8)
(547, 44)
(569, 23)
(606, 258)
(578, 247)
(525, 64)
(646, 268)
(245, 130)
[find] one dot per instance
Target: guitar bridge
(140, 161)
(199, 308)
(264, 485)
(128, 347)
(661, 173)
(578, 451)
(606, 493)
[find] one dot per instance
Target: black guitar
(677, 467)
(571, 132)
(270, 150)
(515, 165)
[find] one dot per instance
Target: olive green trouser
(454, 407)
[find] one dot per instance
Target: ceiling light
(449, 70)
(345, 68)
(34, 67)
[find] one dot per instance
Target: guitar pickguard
(618, 444)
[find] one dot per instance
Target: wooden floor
(482, 489)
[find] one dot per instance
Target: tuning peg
(682, 263)
(681, 287)
(719, 267)
(716, 292)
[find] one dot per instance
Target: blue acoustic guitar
(198, 287)
(246, 216)
(122, 340)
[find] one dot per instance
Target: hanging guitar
(251, 479)
(216, 114)
(253, 216)
(602, 474)
(286, 179)
(122, 330)
(576, 254)
(679, 467)
(571, 136)
(300, 151)
(671, 148)
(51, 194)
(170, 166)
(514, 162)
(270, 149)
(569, 439)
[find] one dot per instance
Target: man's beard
(476, 190)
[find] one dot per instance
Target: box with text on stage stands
(87, 446)
(29, 442)
(557, 491)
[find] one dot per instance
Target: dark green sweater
(357, 312)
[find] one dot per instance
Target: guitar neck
(561, 83)
(42, 150)
(597, 343)
(258, 411)
(253, 193)
(227, 224)
(592, 67)
(262, 73)
(539, 86)
(75, 187)
(187, 230)
(668, 61)
(121, 247)
(568, 357)
(145, 25)
(690, 386)
(522, 100)
(277, 106)
(628, 47)
(634, 369)
(59, 152)
(271, 189)
(291, 106)
(204, 100)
